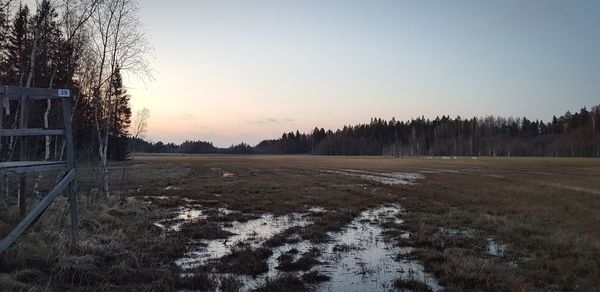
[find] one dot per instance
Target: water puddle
(360, 258)
(156, 198)
(357, 258)
(252, 233)
(181, 216)
(457, 232)
(294, 249)
(317, 210)
(495, 248)
(387, 178)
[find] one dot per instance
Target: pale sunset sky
(233, 71)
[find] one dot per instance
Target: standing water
(368, 263)
(357, 258)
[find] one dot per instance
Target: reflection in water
(387, 178)
(183, 215)
(357, 258)
(495, 248)
(370, 265)
(251, 233)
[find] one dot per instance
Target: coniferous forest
(571, 135)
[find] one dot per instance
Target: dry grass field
(271, 223)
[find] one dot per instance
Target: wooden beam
(66, 103)
(1, 111)
(37, 211)
(31, 132)
(33, 97)
(23, 120)
(15, 92)
(20, 167)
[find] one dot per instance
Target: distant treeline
(572, 134)
(188, 147)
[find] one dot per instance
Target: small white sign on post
(64, 93)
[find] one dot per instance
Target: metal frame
(22, 167)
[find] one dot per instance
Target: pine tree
(48, 50)
(17, 48)
(122, 119)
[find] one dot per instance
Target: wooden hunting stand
(23, 166)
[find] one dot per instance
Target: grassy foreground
(543, 211)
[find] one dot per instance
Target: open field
(319, 223)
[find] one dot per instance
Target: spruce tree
(121, 120)
(17, 48)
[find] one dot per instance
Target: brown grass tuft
(246, 261)
(202, 282)
(411, 285)
(286, 282)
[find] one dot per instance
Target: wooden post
(66, 101)
(23, 119)
(37, 211)
(2, 109)
(2, 101)
(23, 166)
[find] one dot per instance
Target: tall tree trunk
(101, 144)
(36, 184)
(23, 140)
(105, 154)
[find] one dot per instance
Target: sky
(233, 71)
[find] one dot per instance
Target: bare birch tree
(116, 41)
(75, 14)
(140, 126)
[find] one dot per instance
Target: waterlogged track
(387, 178)
(252, 233)
(357, 258)
(361, 258)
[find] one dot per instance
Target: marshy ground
(271, 223)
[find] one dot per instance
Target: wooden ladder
(23, 167)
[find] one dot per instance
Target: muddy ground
(269, 223)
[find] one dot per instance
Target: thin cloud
(272, 121)
(180, 117)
